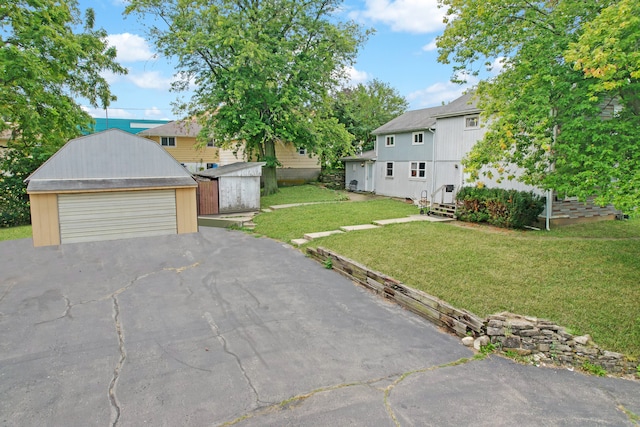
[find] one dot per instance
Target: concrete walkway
(376, 224)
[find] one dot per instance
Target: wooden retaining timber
(459, 322)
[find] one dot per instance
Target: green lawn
(293, 223)
(302, 194)
(585, 277)
(586, 281)
(13, 233)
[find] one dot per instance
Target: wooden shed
(230, 188)
(110, 185)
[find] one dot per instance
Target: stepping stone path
(376, 224)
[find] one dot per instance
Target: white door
(88, 217)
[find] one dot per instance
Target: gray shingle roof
(177, 128)
(426, 118)
(367, 155)
(109, 159)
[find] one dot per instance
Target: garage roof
(109, 160)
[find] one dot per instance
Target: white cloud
(150, 80)
(114, 113)
(438, 93)
(131, 47)
(155, 113)
(430, 47)
(356, 76)
(412, 16)
(497, 66)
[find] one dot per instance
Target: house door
(207, 196)
(368, 181)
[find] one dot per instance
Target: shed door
(88, 217)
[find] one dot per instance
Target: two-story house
(418, 155)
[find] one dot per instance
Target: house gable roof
(366, 155)
(109, 159)
(188, 128)
(425, 118)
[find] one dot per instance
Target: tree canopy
(563, 111)
(365, 107)
(49, 56)
(262, 70)
(45, 64)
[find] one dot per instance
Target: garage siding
(90, 217)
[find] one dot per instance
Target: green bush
(15, 166)
(502, 208)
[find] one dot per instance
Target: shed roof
(234, 169)
(366, 155)
(177, 128)
(109, 159)
(426, 117)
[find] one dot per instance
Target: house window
(390, 141)
(168, 141)
(302, 151)
(472, 122)
(210, 143)
(418, 138)
(389, 170)
(418, 170)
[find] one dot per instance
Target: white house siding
(401, 184)
(402, 154)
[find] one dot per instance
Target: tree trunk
(269, 170)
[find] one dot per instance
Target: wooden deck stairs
(443, 209)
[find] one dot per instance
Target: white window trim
(418, 177)
(168, 138)
(211, 143)
(386, 140)
(474, 116)
(413, 138)
(393, 169)
(302, 151)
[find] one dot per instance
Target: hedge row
(502, 208)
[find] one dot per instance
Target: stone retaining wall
(540, 339)
(333, 180)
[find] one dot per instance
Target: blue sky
(400, 53)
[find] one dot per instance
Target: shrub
(502, 208)
(15, 166)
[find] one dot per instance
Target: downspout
(433, 164)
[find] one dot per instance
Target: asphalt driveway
(220, 327)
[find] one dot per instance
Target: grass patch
(14, 233)
(302, 194)
(584, 280)
(293, 223)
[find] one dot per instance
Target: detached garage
(110, 185)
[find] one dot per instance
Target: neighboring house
(110, 185)
(178, 138)
(296, 165)
(418, 155)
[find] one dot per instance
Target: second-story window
(390, 141)
(418, 138)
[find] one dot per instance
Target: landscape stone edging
(541, 339)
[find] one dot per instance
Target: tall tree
(546, 115)
(49, 56)
(45, 64)
(366, 107)
(262, 69)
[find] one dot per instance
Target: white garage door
(90, 217)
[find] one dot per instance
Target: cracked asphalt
(222, 328)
